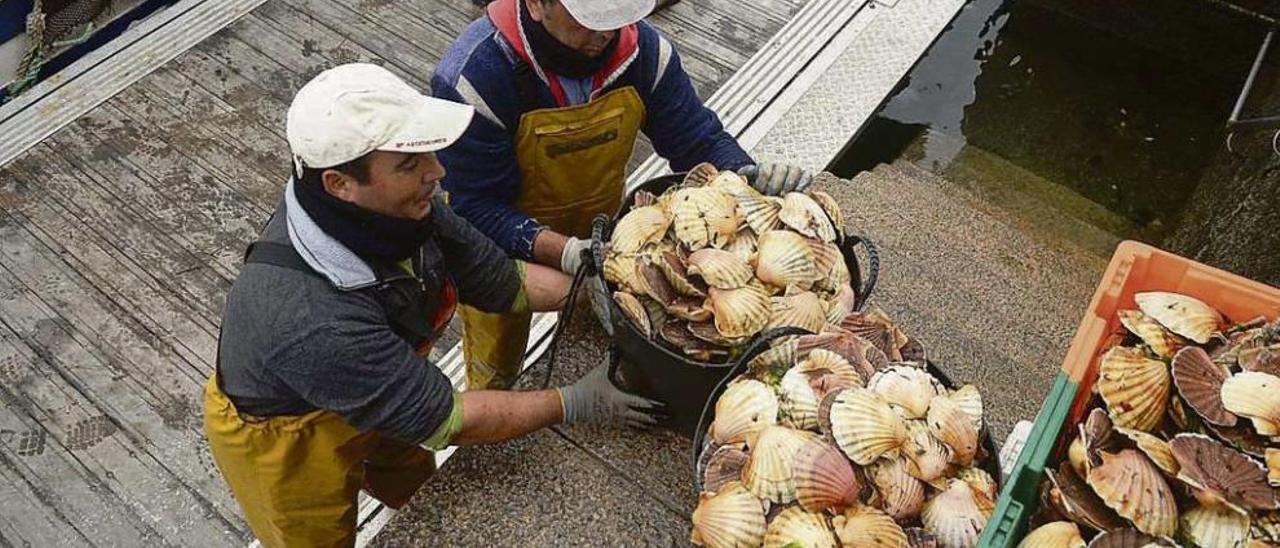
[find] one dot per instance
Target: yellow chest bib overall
(573, 164)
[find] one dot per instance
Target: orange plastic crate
(1135, 267)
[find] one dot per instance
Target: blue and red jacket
(479, 69)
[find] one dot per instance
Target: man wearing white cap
(321, 387)
(562, 89)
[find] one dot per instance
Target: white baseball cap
(606, 15)
(351, 110)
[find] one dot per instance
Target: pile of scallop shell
(711, 262)
(1182, 444)
(844, 438)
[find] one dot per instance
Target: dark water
(1078, 96)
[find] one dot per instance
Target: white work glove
(571, 257)
(594, 400)
(776, 179)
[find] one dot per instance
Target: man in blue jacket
(562, 89)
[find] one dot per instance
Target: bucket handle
(760, 344)
(865, 286)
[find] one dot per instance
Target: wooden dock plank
(61, 486)
(253, 143)
(168, 425)
(322, 41)
(117, 464)
(26, 520)
(120, 280)
(210, 219)
(396, 50)
(141, 247)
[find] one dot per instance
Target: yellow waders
(573, 163)
(297, 477)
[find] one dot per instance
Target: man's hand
(776, 179)
(593, 399)
(571, 257)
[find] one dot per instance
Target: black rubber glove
(776, 179)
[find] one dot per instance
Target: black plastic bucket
(649, 368)
(700, 442)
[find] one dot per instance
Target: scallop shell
(783, 259)
(1273, 466)
(677, 273)
(1076, 456)
(1160, 340)
(804, 310)
(1183, 315)
(917, 537)
(1199, 380)
(1079, 502)
(1265, 359)
(704, 217)
(841, 304)
(639, 227)
(721, 269)
(957, 515)
(1132, 486)
(701, 175)
(927, 458)
(980, 481)
(1055, 534)
(863, 525)
(824, 478)
(828, 370)
(830, 207)
(736, 185)
(955, 428)
(690, 309)
(802, 214)
(745, 408)
(799, 403)
(898, 493)
(769, 366)
(707, 331)
(1222, 474)
(1154, 448)
(865, 358)
(620, 269)
(1127, 538)
(759, 212)
(908, 389)
(1214, 525)
(643, 198)
(740, 312)
(796, 527)
(731, 517)
(723, 465)
(825, 257)
(743, 245)
(1257, 396)
(769, 473)
(1135, 387)
(651, 282)
(969, 400)
(1098, 434)
(865, 427)
(634, 311)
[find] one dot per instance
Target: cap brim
(606, 16)
(437, 124)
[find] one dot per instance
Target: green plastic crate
(1019, 498)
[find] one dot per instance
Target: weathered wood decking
(120, 235)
